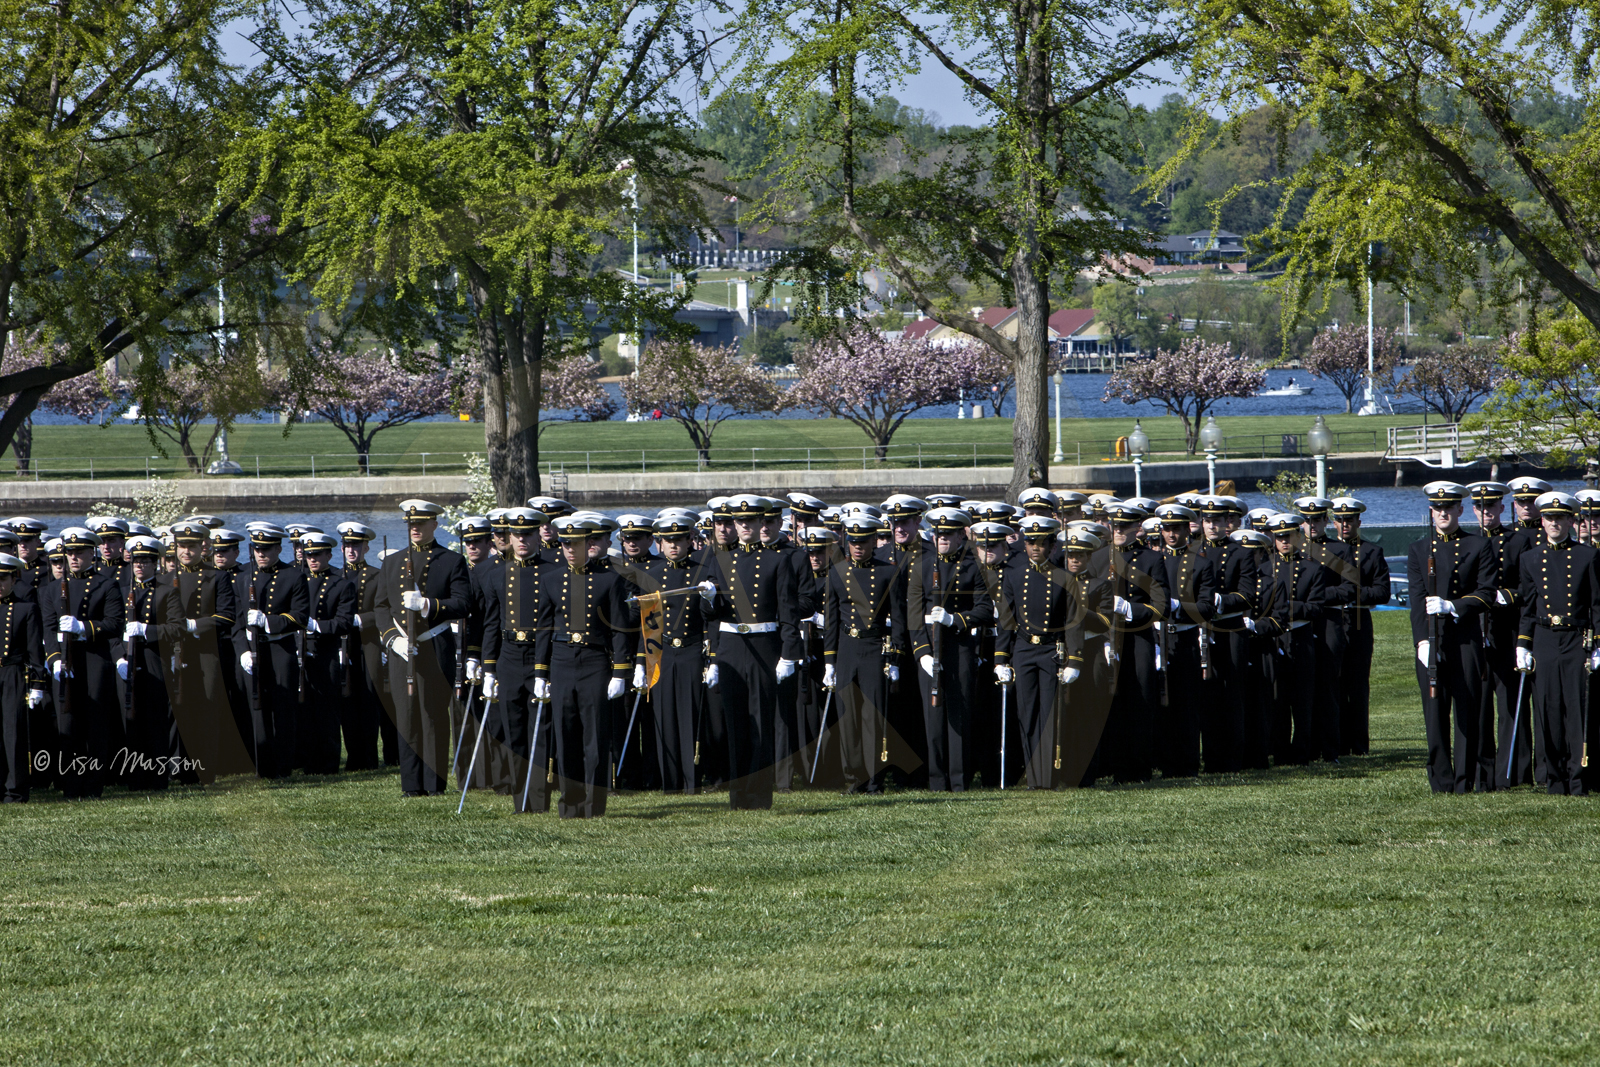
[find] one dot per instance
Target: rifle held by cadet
(1433, 634)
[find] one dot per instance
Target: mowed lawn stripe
(1324, 915)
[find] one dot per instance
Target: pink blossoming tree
(1340, 356)
(363, 395)
(699, 386)
(878, 384)
(1186, 382)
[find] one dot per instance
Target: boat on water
(1290, 389)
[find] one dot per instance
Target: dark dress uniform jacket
(437, 573)
(85, 724)
(1467, 572)
(21, 669)
(199, 691)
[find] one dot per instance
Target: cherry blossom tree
(1452, 379)
(1186, 382)
(1340, 356)
(877, 384)
(700, 386)
(363, 395)
(183, 399)
(570, 391)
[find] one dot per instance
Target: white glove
(355, 620)
(1423, 647)
(491, 685)
(313, 626)
(941, 617)
(638, 675)
(1502, 597)
(712, 676)
(1174, 605)
(71, 625)
(34, 698)
(786, 668)
(1122, 607)
(58, 667)
(401, 647)
(1159, 666)
(615, 688)
(1524, 657)
(193, 626)
(830, 677)
(1111, 655)
(412, 600)
(247, 660)
(1069, 675)
(926, 663)
(122, 669)
(541, 689)
(474, 670)
(1004, 675)
(816, 620)
(1250, 624)
(708, 591)
(256, 618)
(1216, 601)
(894, 672)
(134, 629)
(1594, 660)
(1440, 606)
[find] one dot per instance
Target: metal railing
(917, 456)
(1253, 445)
(255, 465)
(866, 457)
(1420, 440)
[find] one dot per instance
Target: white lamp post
(1211, 440)
(1138, 445)
(1059, 457)
(1321, 441)
(222, 464)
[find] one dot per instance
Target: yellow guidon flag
(652, 620)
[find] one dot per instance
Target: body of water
(1080, 399)
(1386, 506)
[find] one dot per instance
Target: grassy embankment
(124, 451)
(1330, 915)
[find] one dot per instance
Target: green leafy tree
(993, 208)
(1546, 406)
(114, 228)
(470, 158)
(1441, 133)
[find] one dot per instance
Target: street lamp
(1211, 440)
(1321, 441)
(1138, 445)
(223, 464)
(1059, 457)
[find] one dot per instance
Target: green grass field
(1323, 916)
(122, 451)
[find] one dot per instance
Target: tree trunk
(18, 412)
(1029, 268)
(22, 445)
(494, 392)
(1030, 426)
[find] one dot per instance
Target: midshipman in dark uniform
(22, 680)
(1371, 588)
(864, 633)
(1560, 610)
(1452, 577)
(581, 664)
(422, 588)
